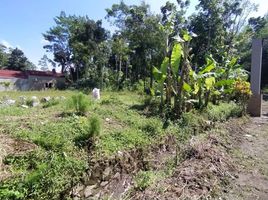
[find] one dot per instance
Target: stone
(107, 174)
(24, 106)
(107, 119)
(46, 99)
(34, 98)
(89, 190)
(35, 104)
(96, 93)
(10, 102)
(117, 176)
(35, 101)
(104, 183)
(78, 189)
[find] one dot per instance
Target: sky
(22, 22)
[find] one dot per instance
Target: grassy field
(60, 157)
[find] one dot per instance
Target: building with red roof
(30, 80)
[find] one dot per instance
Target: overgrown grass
(114, 124)
(223, 111)
(145, 179)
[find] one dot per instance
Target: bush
(144, 179)
(152, 127)
(29, 102)
(80, 103)
(242, 93)
(92, 130)
(223, 111)
(94, 126)
(51, 103)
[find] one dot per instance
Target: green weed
(223, 111)
(80, 103)
(51, 103)
(145, 179)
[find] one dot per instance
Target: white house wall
(16, 84)
(32, 83)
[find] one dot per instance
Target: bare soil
(252, 159)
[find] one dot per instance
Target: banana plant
(202, 82)
(174, 68)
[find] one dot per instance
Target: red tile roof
(44, 73)
(25, 74)
(12, 74)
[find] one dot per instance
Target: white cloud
(262, 9)
(6, 43)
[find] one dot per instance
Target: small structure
(30, 80)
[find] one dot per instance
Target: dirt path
(252, 157)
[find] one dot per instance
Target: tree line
(91, 55)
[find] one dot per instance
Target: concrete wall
(16, 84)
(255, 103)
(38, 82)
(32, 83)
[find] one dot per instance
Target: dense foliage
(14, 59)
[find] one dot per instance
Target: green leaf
(186, 37)
(217, 93)
(225, 82)
(232, 62)
(157, 74)
(196, 88)
(164, 65)
(187, 87)
(176, 58)
(209, 82)
(211, 64)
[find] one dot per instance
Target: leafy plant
(223, 111)
(242, 92)
(6, 84)
(88, 136)
(29, 102)
(80, 103)
(144, 179)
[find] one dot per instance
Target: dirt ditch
(202, 168)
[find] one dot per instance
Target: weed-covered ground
(46, 154)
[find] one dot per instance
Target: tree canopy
(88, 53)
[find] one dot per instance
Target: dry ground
(252, 157)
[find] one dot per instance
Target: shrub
(51, 103)
(223, 111)
(29, 102)
(144, 179)
(242, 93)
(152, 127)
(94, 126)
(92, 130)
(79, 103)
